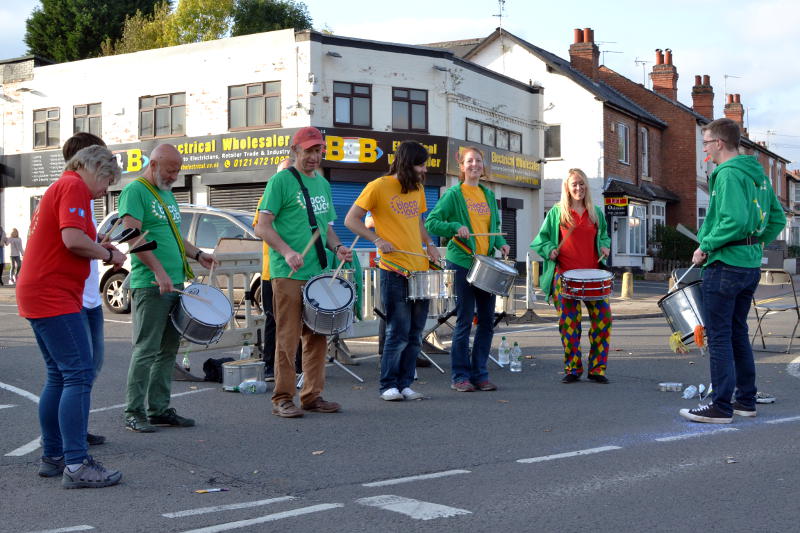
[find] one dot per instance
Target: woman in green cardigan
(463, 211)
(574, 235)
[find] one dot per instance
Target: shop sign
(374, 150)
(502, 166)
(616, 206)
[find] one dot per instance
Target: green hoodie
(451, 213)
(742, 204)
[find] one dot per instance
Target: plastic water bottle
(689, 392)
(503, 354)
(252, 386)
(186, 363)
(246, 351)
(516, 359)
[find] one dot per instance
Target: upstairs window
(552, 141)
(409, 109)
(493, 136)
(87, 118)
(46, 127)
(162, 115)
(644, 147)
(254, 105)
(352, 104)
(623, 143)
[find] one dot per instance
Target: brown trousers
(287, 304)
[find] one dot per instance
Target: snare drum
(328, 304)
(198, 321)
(492, 275)
(431, 284)
(683, 309)
(586, 284)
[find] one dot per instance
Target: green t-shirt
(137, 201)
(285, 201)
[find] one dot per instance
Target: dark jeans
(65, 399)
(405, 320)
(727, 294)
(470, 365)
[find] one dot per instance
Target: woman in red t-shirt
(574, 235)
(50, 295)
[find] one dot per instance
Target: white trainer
(409, 394)
(391, 395)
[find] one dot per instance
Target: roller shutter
(243, 197)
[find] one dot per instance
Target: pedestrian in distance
(743, 215)
(15, 250)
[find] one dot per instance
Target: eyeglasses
(709, 141)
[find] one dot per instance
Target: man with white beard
(149, 205)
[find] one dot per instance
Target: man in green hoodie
(743, 215)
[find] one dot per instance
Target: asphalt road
(536, 455)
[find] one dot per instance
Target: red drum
(586, 284)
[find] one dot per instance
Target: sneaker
(94, 440)
(598, 378)
(321, 406)
(763, 397)
(570, 378)
(409, 394)
(286, 409)
(139, 424)
(486, 386)
(391, 395)
(91, 475)
(463, 386)
(171, 418)
(741, 410)
(50, 467)
(269, 377)
(706, 413)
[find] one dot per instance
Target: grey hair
(98, 160)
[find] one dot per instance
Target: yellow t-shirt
(479, 215)
(397, 220)
(264, 247)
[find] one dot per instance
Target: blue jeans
(65, 399)
(727, 294)
(405, 320)
(468, 366)
(93, 320)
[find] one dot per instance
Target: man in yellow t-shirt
(397, 202)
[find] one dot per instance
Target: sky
(748, 47)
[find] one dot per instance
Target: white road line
(413, 508)
(117, 406)
(218, 508)
(793, 368)
(26, 449)
(692, 435)
(65, 529)
(782, 420)
(117, 321)
(21, 392)
(564, 455)
(7, 406)
(266, 518)
(397, 481)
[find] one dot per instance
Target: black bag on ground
(213, 368)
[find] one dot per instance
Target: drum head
(322, 294)
(497, 264)
(588, 274)
(217, 313)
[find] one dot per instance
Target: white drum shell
(492, 275)
(198, 321)
(683, 309)
(328, 307)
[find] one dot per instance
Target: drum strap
(312, 220)
(397, 269)
(187, 270)
(463, 245)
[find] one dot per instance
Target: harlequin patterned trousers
(569, 325)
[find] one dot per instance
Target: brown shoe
(321, 406)
(486, 386)
(286, 409)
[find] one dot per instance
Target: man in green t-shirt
(155, 275)
(284, 225)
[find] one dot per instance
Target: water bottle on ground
(503, 354)
(246, 352)
(186, 363)
(689, 392)
(516, 359)
(252, 386)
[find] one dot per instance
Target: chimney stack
(703, 97)
(584, 55)
(665, 75)
(734, 110)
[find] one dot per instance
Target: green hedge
(673, 245)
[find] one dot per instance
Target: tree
(142, 32)
(255, 16)
(200, 20)
(68, 30)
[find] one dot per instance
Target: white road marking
(65, 529)
(793, 368)
(21, 392)
(408, 479)
(564, 455)
(26, 449)
(692, 435)
(117, 406)
(782, 420)
(413, 508)
(218, 508)
(7, 406)
(117, 321)
(266, 518)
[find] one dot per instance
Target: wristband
(110, 255)
(336, 248)
(197, 255)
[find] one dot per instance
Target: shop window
(409, 109)
(352, 104)
(631, 231)
(46, 127)
(162, 115)
(658, 216)
(254, 105)
(87, 117)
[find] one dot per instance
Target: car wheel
(115, 297)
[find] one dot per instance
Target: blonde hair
(462, 155)
(14, 233)
(566, 212)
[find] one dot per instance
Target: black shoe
(741, 410)
(269, 376)
(171, 418)
(598, 378)
(570, 378)
(708, 414)
(422, 362)
(94, 440)
(138, 423)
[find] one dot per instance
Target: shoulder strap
(187, 270)
(312, 220)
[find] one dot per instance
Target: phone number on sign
(253, 161)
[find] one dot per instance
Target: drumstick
(139, 240)
(211, 273)
(314, 237)
(113, 227)
(342, 261)
(195, 296)
(569, 232)
(410, 253)
(488, 234)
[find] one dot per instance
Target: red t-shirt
(579, 249)
(52, 278)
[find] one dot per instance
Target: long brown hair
(408, 155)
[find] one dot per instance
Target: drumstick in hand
(314, 237)
(410, 253)
(342, 261)
(138, 241)
(487, 234)
(113, 227)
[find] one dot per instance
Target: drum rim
(328, 275)
(493, 262)
(606, 274)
